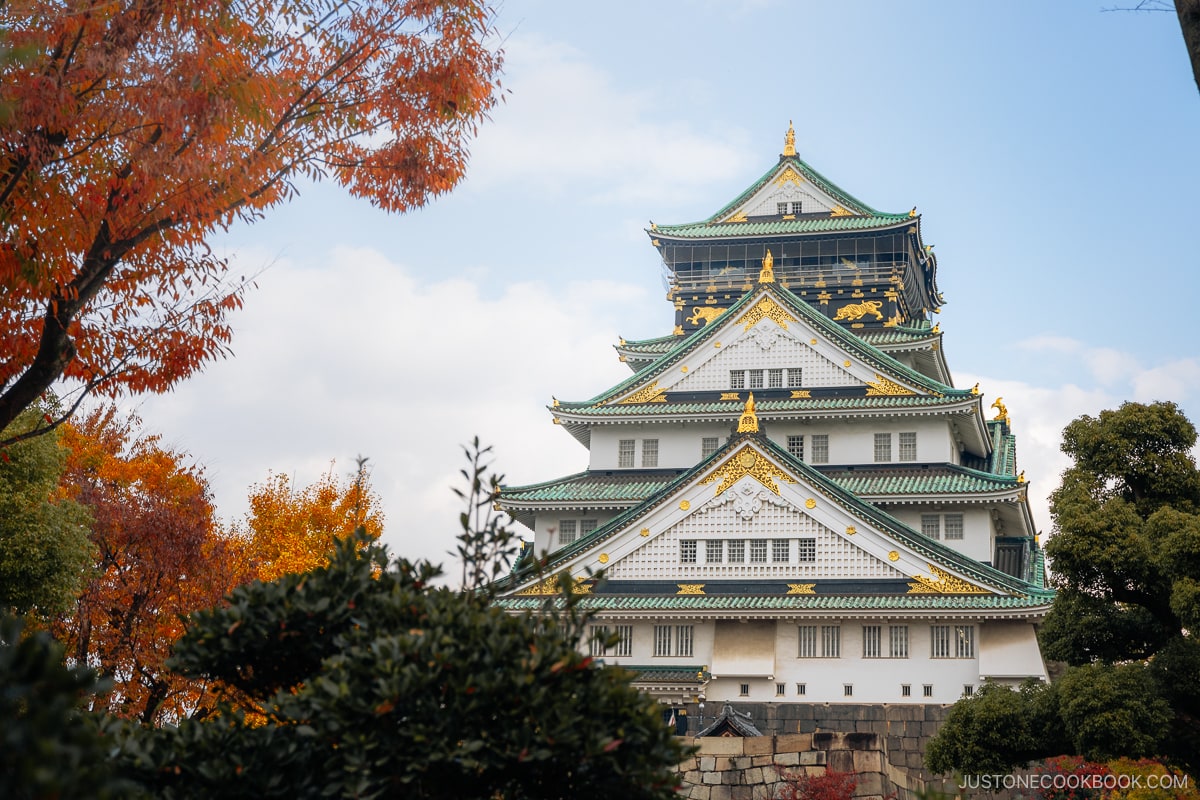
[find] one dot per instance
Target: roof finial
(767, 273)
(789, 141)
(1001, 410)
(749, 421)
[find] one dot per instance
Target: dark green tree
(366, 679)
(44, 547)
(1126, 563)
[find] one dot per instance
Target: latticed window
(927, 690)
(898, 641)
(780, 688)
(883, 447)
(954, 526)
(662, 640)
(737, 551)
(625, 453)
(908, 446)
(708, 446)
(586, 526)
(781, 550)
(756, 379)
(847, 689)
(737, 379)
(596, 636)
(796, 206)
(806, 550)
(687, 551)
(808, 642)
(964, 641)
(714, 551)
(566, 531)
(939, 641)
(795, 446)
(795, 375)
(872, 641)
(820, 448)
(624, 646)
(781, 208)
(775, 379)
(649, 452)
(758, 551)
(931, 525)
(683, 640)
(831, 641)
(906, 690)
(801, 688)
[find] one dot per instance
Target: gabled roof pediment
(749, 495)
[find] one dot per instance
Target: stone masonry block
(721, 793)
(724, 764)
(868, 783)
(812, 758)
(868, 761)
(793, 742)
(841, 760)
(761, 761)
(758, 745)
(720, 746)
(787, 759)
(700, 793)
(742, 793)
(708, 763)
(753, 775)
(712, 777)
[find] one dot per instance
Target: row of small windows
(627, 452)
(571, 529)
(766, 378)
(848, 689)
(794, 205)
(939, 526)
(734, 551)
(818, 447)
(908, 447)
(945, 641)
(814, 641)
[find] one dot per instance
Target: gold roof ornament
(767, 273)
(1021, 477)
(749, 421)
(789, 141)
(975, 388)
(1001, 410)
(912, 213)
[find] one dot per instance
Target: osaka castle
(789, 500)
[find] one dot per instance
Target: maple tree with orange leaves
(160, 556)
(290, 530)
(131, 130)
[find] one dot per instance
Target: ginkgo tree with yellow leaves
(291, 529)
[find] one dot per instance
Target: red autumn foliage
(159, 557)
(131, 130)
(832, 785)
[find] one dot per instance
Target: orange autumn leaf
(130, 132)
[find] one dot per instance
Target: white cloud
(566, 128)
(350, 354)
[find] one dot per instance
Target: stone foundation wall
(883, 744)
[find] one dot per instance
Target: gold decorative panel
(942, 582)
(810, 503)
(550, 586)
(603, 558)
(684, 505)
(748, 462)
(690, 588)
(647, 394)
(800, 394)
(644, 531)
(893, 556)
(851, 530)
(883, 387)
(789, 175)
(801, 588)
(730, 396)
(771, 310)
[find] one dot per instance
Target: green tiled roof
(1033, 599)
(947, 479)
(764, 407)
(897, 335)
(592, 487)
(657, 346)
(847, 340)
(660, 674)
(773, 227)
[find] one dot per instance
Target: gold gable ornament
(942, 582)
(747, 462)
(749, 421)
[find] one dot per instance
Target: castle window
(758, 551)
(908, 446)
(905, 690)
(780, 689)
(649, 452)
(831, 641)
(927, 690)
(847, 690)
(566, 531)
(596, 636)
(624, 646)
(807, 647)
(939, 645)
(781, 550)
(931, 525)
(687, 551)
(683, 640)
(954, 526)
(898, 641)
(968, 690)
(775, 379)
(795, 374)
(737, 551)
(820, 448)
(662, 640)
(801, 689)
(737, 379)
(586, 526)
(807, 550)
(781, 208)
(795, 446)
(714, 551)
(744, 689)
(625, 453)
(964, 638)
(871, 641)
(756, 379)
(708, 446)
(796, 206)
(883, 447)
(956, 641)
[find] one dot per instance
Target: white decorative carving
(765, 334)
(747, 497)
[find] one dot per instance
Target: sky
(1048, 146)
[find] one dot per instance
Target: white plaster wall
(977, 526)
(546, 539)
(678, 444)
(853, 441)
